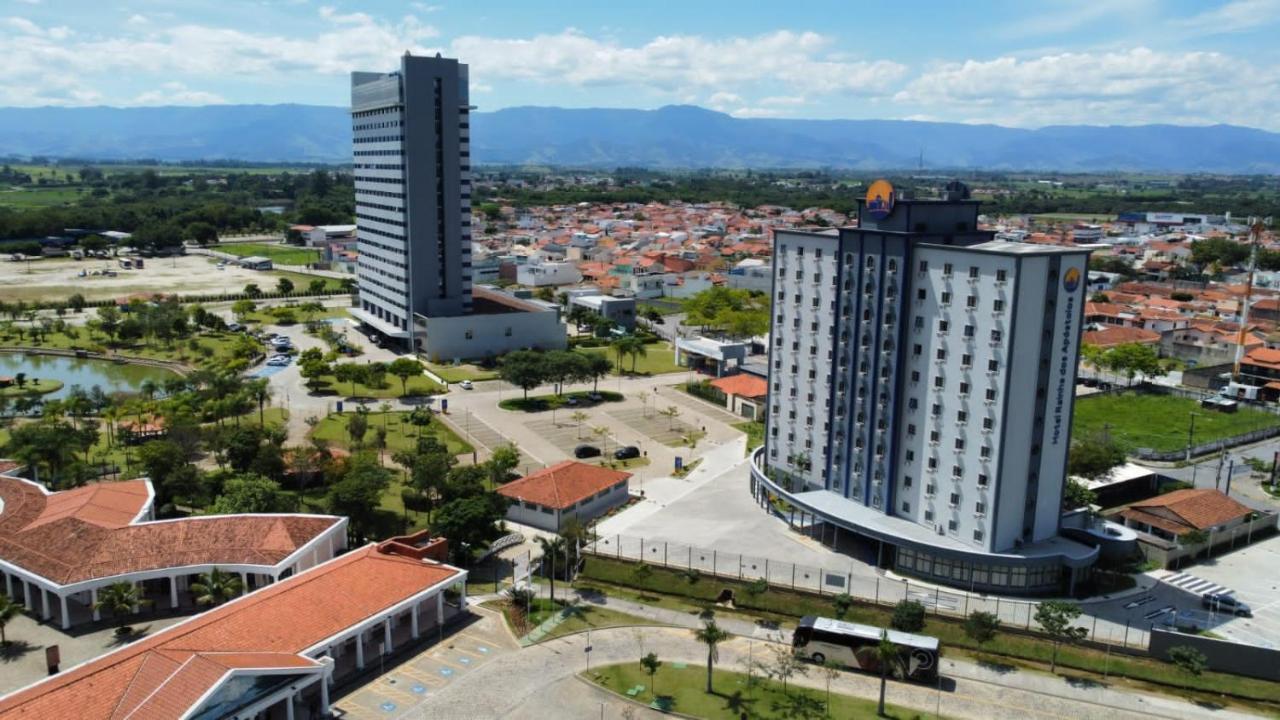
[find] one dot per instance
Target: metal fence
(827, 581)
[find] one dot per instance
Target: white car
(279, 361)
(465, 385)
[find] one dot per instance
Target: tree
(358, 494)
(502, 461)
(202, 232)
(1056, 616)
(252, 290)
(8, 611)
(284, 286)
(671, 412)
(1076, 495)
(889, 658)
(1188, 659)
(908, 616)
(597, 366)
(349, 373)
(553, 548)
(787, 664)
(578, 417)
(522, 368)
(830, 670)
(260, 390)
(470, 522)
(842, 603)
(650, 664)
(249, 494)
(981, 626)
(357, 427)
(711, 635)
(404, 368)
(119, 599)
(241, 308)
(1093, 456)
(1132, 359)
(216, 587)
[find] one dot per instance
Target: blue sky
(1025, 64)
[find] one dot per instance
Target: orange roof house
(549, 496)
(1183, 511)
(1112, 335)
(742, 385)
(64, 546)
(286, 641)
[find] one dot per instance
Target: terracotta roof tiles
(563, 484)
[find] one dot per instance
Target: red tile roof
(94, 532)
(1113, 335)
(563, 484)
(1185, 510)
(742, 384)
(162, 675)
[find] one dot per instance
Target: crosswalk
(1195, 585)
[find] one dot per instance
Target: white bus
(854, 645)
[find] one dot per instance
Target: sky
(1009, 62)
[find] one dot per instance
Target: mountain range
(672, 137)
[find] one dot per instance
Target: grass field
(659, 359)
(210, 349)
(755, 434)
(38, 197)
(1161, 422)
(539, 403)
(577, 617)
(401, 434)
(463, 371)
(39, 386)
(302, 281)
(277, 253)
(420, 385)
(734, 695)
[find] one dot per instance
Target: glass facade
(994, 575)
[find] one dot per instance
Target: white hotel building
(921, 386)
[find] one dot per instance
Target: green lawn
(659, 359)
(39, 197)
(783, 605)
(271, 316)
(735, 695)
(401, 434)
(460, 372)
(420, 385)
(539, 403)
(1161, 422)
(201, 349)
(579, 617)
(38, 386)
(302, 281)
(755, 433)
(276, 252)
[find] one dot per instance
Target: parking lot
(565, 435)
(649, 422)
(1250, 574)
(402, 690)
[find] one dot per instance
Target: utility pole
(1255, 233)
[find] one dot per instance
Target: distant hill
(670, 137)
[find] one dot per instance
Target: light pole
(1191, 430)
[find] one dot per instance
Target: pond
(111, 377)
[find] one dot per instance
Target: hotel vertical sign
(1070, 283)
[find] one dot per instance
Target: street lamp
(1191, 434)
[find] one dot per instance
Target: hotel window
(934, 436)
(955, 500)
(938, 382)
(952, 525)
(991, 393)
(933, 463)
(916, 349)
(995, 336)
(988, 423)
(971, 302)
(979, 507)
(928, 516)
(998, 306)
(1001, 275)
(919, 322)
(941, 354)
(915, 376)
(946, 298)
(924, 265)
(911, 429)
(906, 481)
(982, 480)
(964, 388)
(968, 331)
(920, 294)
(956, 471)
(946, 270)
(943, 326)
(962, 416)
(992, 365)
(977, 535)
(906, 506)
(966, 360)
(937, 409)
(973, 271)
(985, 452)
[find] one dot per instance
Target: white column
(26, 595)
(360, 650)
(66, 616)
(8, 585)
(173, 591)
(244, 582)
(386, 634)
(324, 694)
(288, 707)
(93, 602)
(413, 625)
(440, 608)
(462, 596)
(44, 602)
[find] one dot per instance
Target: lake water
(111, 377)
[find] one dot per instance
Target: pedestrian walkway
(478, 432)
(1195, 585)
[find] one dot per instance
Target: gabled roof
(162, 675)
(1189, 509)
(563, 484)
(742, 384)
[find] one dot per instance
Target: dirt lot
(57, 279)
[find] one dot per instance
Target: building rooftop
(99, 531)
(563, 484)
(165, 674)
(743, 385)
(1182, 511)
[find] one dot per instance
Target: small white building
(543, 273)
(548, 497)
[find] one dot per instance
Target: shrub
(908, 616)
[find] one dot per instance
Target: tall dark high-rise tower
(413, 193)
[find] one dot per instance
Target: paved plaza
(662, 429)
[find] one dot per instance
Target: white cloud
(1129, 87)
(1234, 16)
(783, 100)
(757, 112)
(42, 67)
(137, 19)
(425, 8)
(677, 63)
(176, 93)
(723, 100)
(30, 2)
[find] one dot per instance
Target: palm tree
(578, 416)
(8, 611)
(120, 599)
(216, 587)
(711, 635)
(260, 391)
(889, 657)
(553, 548)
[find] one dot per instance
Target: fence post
(1094, 634)
(617, 544)
(664, 553)
(766, 570)
(689, 564)
(1126, 633)
(937, 600)
(793, 576)
(1028, 616)
(641, 549)
(739, 566)
(877, 589)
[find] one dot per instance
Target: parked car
(465, 385)
(626, 453)
(279, 360)
(586, 451)
(1225, 604)
(594, 397)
